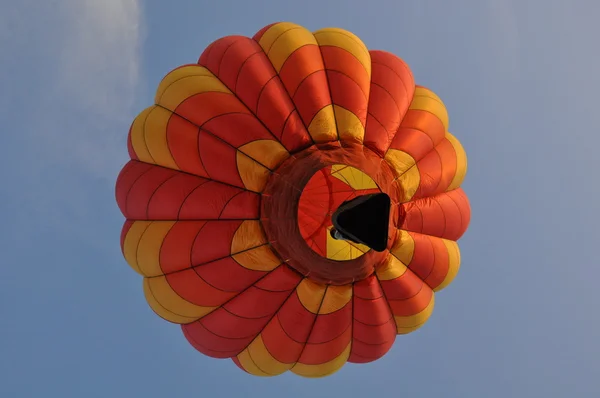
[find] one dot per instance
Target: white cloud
(72, 69)
(70, 79)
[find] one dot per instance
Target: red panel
(211, 344)
(404, 287)
(142, 190)
(374, 329)
(276, 110)
(329, 326)
(214, 241)
(320, 353)
(340, 60)
(230, 329)
(245, 205)
(241, 51)
(231, 326)
(447, 154)
(424, 257)
(130, 173)
(312, 96)
(209, 201)
(296, 321)
(412, 305)
(253, 76)
(414, 142)
(213, 54)
(244, 68)
(437, 170)
(459, 197)
(368, 352)
(348, 81)
(446, 215)
(227, 275)
(425, 216)
(182, 138)
(219, 159)
(150, 192)
(279, 344)
(438, 259)
(191, 287)
(256, 303)
(423, 121)
(347, 93)
(372, 316)
(280, 279)
(378, 138)
(200, 108)
(430, 170)
(171, 197)
(392, 90)
(176, 249)
(237, 129)
(301, 64)
(368, 289)
(293, 135)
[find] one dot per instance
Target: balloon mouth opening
(363, 220)
(343, 193)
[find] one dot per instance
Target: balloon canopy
(238, 173)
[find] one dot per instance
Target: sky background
(520, 81)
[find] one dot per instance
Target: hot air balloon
(293, 201)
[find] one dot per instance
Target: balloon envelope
(234, 176)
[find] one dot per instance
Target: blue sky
(520, 81)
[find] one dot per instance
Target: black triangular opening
(365, 220)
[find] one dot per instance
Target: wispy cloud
(73, 74)
(70, 73)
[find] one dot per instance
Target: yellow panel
(178, 74)
(148, 250)
(138, 140)
(155, 137)
(248, 236)
(322, 128)
(253, 175)
(186, 87)
(409, 182)
(282, 39)
(249, 366)
(349, 125)
(260, 259)
(353, 177)
(310, 294)
(453, 263)
(341, 250)
(348, 41)
(426, 100)
(407, 324)
(400, 161)
(325, 369)
(461, 162)
(391, 269)
(269, 153)
(130, 245)
(404, 247)
(169, 305)
(336, 297)
(258, 356)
